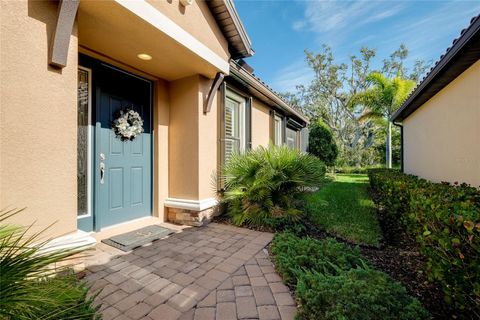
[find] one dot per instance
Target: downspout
(402, 168)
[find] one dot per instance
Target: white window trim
(278, 119)
(89, 148)
(242, 116)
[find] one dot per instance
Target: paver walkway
(213, 272)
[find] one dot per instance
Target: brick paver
(216, 272)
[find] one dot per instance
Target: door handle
(102, 172)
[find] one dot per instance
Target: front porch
(211, 272)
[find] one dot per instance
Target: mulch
(400, 258)
(397, 255)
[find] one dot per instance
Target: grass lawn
(344, 208)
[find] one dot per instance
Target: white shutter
(232, 128)
(278, 131)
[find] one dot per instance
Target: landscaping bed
(444, 221)
(380, 250)
(400, 258)
(333, 281)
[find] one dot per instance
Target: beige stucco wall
(261, 123)
(160, 148)
(442, 138)
(192, 140)
(207, 141)
(183, 138)
(197, 20)
(38, 119)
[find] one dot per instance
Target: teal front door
(122, 167)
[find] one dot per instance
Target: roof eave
(248, 50)
(449, 60)
(238, 49)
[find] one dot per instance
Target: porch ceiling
(112, 29)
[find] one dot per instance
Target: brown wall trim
(213, 90)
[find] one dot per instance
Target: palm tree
(383, 97)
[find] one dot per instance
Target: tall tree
(383, 97)
(329, 97)
(395, 65)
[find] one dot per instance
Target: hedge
(332, 281)
(357, 294)
(445, 220)
(293, 255)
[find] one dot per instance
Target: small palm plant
(30, 285)
(265, 183)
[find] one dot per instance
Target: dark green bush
(445, 220)
(267, 182)
(293, 256)
(333, 282)
(357, 294)
(321, 142)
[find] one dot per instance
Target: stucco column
(192, 152)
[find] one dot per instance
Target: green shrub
(30, 288)
(68, 298)
(445, 220)
(294, 224)
(357, 294)
(321, 142)
(293, 256)
(267, 182)
(355, 170)
(333, 282)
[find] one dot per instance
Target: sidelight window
(84, 136)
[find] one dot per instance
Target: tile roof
(464, 51)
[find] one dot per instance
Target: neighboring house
(441, 119)
(68, 67)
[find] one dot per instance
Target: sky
(280, 32)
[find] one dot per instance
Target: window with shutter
(292, 138)
(278, 130)
(234, 126)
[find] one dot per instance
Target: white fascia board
(154, 17)
(194, 205)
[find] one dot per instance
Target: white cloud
(345, 25)
(286, 79)
(337, 23)
(434, 33)
(341, 16)
(299, 25)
